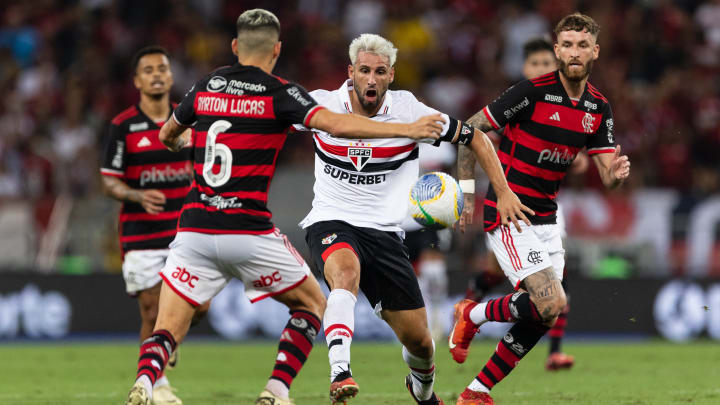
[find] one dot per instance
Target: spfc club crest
(359, 157)
(329, 239)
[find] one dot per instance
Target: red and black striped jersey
(134, 154)
(543, 130)
(241, 116)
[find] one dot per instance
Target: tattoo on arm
(480, 121)
(466, 157)
(546, 291)
(466, 163)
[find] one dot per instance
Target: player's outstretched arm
(151, 200)
(509, 206)
(466, 177)
(466, 170)
(613, 167)
(174, 135)
(356, 127)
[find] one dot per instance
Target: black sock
(522, 337)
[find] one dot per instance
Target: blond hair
(373, 44)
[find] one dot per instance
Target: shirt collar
(347, 87)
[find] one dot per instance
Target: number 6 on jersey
(213, 150)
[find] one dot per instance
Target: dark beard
(157, 97)
(573, 77)
(369, 107)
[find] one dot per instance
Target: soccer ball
(436, 200)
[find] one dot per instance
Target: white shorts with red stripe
(141, 269)
(200, 265)
(521, 254)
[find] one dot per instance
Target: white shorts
(521, 254)
(560, 221)
(141, 269)
(200, 265)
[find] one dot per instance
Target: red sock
(296, 342)
(558, 330)
(154, 354)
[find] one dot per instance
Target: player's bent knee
(307, 297)
(317, 305)
(345, 278)
(200, 313)
(342, 270)
(551, 309)
(149, 312)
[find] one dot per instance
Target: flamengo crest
(587, 123)
(359, 157)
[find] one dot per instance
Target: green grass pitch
(649, 372)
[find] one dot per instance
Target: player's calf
(296, 342)
(339, 320)
(516, 343)
(421, 379)
(148, 304)
(418, 351)
(421, 347)
(155, 352)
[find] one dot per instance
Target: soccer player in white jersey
(361, 197)
(241, 114)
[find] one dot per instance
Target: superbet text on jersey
(543, 132)
(134, 154)
(241, 116)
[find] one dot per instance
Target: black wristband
(465, 135)
(449, 134)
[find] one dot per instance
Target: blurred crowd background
(65, 72)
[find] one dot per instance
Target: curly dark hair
(578, 22)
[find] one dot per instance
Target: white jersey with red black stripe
(366, 182)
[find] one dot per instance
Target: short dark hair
(148, 50)
(578, 22)
(536, 45)
(257, 19)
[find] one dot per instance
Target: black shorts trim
(387, 277)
